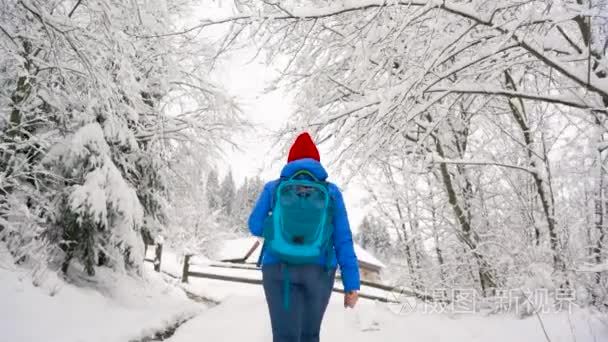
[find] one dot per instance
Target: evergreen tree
(83, 143)
(241, 207)
(100, 212)
(364, 236)
(254, 189)
(382, 239)
(212, 190)
(374, 237)
(227, 194)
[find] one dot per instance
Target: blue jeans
(310, 288)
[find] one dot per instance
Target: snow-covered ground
(215, 290)
(244, 318)
(120, 308)
(105, 308)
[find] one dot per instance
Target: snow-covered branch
(494, 91)
(439, 160)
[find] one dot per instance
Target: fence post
(186, 268)
(158, 256)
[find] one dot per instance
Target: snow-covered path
(244, 318)
(119, 308)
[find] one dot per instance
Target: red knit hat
(302, 148)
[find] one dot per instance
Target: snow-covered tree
(94, 97)
(481, 115)
(374, 236)
(255, 186)
(364, 235)
(227, 192)
(245, 198)
(241, 208)
(212, 190)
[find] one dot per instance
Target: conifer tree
(227, 194)
(212, 189)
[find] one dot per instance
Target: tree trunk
(485, 277)
(435, 231)
(543, 186)
(600, 212)
(408, 250)
(412, 215)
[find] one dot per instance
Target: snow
(306, 12)
(255, 256)
(209, 289)
(219, 290)
(371, 321)
(109, 307)
(367, 257)
(115, 92)
(113, 307)
(243, 305)
(105, 188)
(236, 248)
(595, 268)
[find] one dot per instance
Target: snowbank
(105, 308)
(375, 322)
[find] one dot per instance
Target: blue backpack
(299, 229)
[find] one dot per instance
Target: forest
(478, 130)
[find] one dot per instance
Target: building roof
(367, 257)
(247, 250)
(237, 250)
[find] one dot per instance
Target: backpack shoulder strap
(258, 264)
(304, 172)
(274, 192)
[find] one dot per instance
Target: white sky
(268, 111)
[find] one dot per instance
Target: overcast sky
(268, 112)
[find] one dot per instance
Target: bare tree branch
(509, 93)
(74, 8)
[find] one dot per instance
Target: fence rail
(186, 274)
(384, 287)
(158, 255)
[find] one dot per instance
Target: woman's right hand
(350, 299)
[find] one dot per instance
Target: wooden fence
(187, 273)
(158, 255)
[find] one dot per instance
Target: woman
(306, 287)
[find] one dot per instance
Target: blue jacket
(342, 236)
